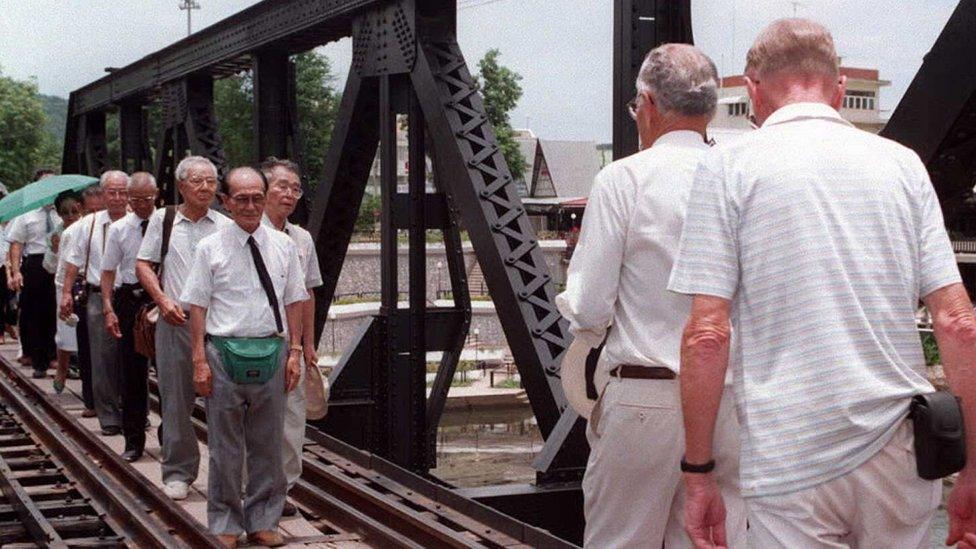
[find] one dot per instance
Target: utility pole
(189, 6)
(797, 4)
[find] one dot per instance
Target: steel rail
(30, 516)
(147, 516)
(359, 501)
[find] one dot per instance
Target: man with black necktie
(121, 306)
(245, 281)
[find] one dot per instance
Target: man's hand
(15, 281)
(202, 377)
(112, 324)
(962, 510)
(172, 312)
(704, 511)
(311, 358)
(293, 371)
(67, 305)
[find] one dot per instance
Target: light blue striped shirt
(824, 237)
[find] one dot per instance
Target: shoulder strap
(168, 219)
(91, 232)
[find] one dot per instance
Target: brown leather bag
(144, 331)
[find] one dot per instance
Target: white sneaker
(176, 489)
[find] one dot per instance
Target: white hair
(142, 179)
(682, 79)
(184, 166)
(103, 180)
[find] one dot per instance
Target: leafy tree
(318, 104)
(23, 142)
(500, 87)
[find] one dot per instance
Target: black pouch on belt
(940, 438)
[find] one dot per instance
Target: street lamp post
(189, 6)
(332, 319)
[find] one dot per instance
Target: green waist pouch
(249, 360)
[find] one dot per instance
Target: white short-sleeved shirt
(31, 229)
(67, 237)
(306, 252)
(620, 267)
(824, 237)
(183, 242)
(93, 248)
(223, 279)
(122, 247)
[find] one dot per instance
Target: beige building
(860, 103)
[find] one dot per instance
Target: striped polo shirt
(824, 237)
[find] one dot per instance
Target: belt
(630, 371)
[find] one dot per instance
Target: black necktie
(265, 279)
(144, 224)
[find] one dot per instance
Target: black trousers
(84, 360)
(8, 313)
(38, 313)
(133, 368)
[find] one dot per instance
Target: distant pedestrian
(188, 224)
(812, 242)
(284, 193)
(122, 297)
(245, 292)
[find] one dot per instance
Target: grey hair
(142, 179)
(103, 180)
(184, 166)
(682, 79)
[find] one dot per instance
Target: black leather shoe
(39, 374)
(111, 431)
(289, 510)
(132, 455)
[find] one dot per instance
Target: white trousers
(294, 431)
(632, 490)
(882, 503)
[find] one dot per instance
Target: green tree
(318, 104)
(23, 143)
(500, 87)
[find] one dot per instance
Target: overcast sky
(563, 48)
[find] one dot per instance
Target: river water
(479, 447)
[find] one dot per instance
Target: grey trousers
(244, 423)
(104, 367)
(174, 368)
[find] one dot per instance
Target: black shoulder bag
(940, 436)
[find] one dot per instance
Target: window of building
(738, 109)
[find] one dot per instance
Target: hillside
(56, 112)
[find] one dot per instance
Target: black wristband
(694, 468)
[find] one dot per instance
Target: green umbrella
(41, 193)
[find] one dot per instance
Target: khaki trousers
(882, 503)
(632, 490)
(294, 431)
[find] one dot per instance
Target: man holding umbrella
(28, 242)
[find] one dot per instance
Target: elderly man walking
(246, 280)
(27, 235)
(817, 240)
(86, 253)
(618, 275)
(171, 239)
(284, 192)
(121, 307)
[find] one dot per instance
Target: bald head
(241, 176)
(142, 181)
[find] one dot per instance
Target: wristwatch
(298, 348)
(697, 468)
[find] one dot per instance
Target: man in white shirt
(814, 241)
(27, 235)
(284, 192)
(196, 180)
(121, 307)
(618, 275)
(87, 250)
(244, 281)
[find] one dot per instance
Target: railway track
(63, 487)
(345, 490)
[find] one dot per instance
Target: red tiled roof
(577, 203)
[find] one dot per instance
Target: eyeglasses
(142, 199)
(116, 193)
(242, 200)
(202, 182)
(632, 107)
(284, 188)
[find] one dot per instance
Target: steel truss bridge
(406, 61)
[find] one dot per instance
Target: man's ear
(840, 89)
